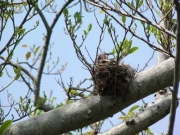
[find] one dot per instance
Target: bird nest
(110, 78)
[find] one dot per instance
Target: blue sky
(63, 48)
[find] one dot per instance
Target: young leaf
(35, 52)
(133, 108)
(65, 11)
(141, 2)
(1, 74)
(132, 50)
(123, 18)
(124, 118)
(21, 99)
(85, 33)
(28, 54)
(89, 27)
(5, 126)
(17, 76)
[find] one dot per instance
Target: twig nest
(110, 78)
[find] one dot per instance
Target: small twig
(148, 60)
(81, 89)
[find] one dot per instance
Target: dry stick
(176, 74)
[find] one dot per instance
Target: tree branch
(150, 115)
(176, 74)
(95, 108)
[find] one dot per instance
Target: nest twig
(110, 78)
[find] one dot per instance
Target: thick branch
(96, 108)
(158, 110)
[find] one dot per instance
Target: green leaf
(16, 31)
(10, 55)
(133, 108)
(89, 133)
(5, 126)
(109, 30)
(35, 52)
(89, 27)
(65, 12)
(21, 99)
(149, 131)
(148, 27)
(130, 114)
(17, 77)
(140, 3)
(123, 18)
(133, 49)
(114, 51)
(131, 4)
(1, 74)
(73, 28)
(85, 33)
(142, 22)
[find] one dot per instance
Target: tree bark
(96, 108)
(151, 114)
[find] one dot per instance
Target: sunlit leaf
(89, 133)
(130, 114)
(148, 27)
(1, 74)
(5, 126)
(134, 108)
(133, 49)
(28, 54)
(124, 118)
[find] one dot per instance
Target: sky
(63, 48)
